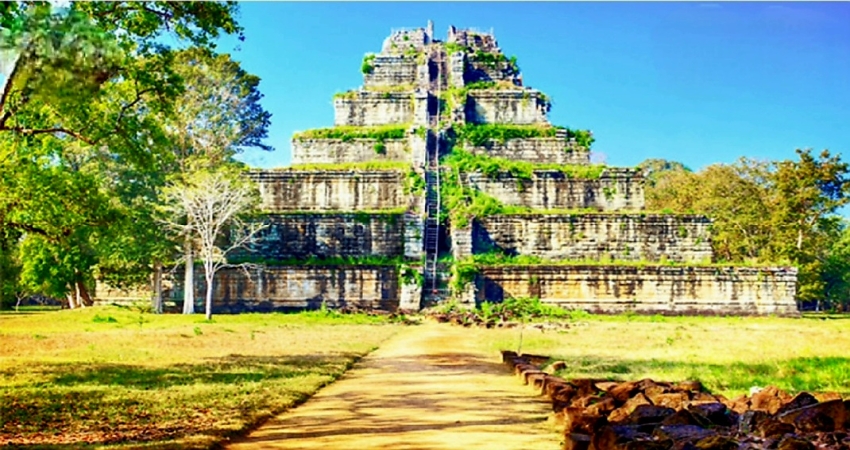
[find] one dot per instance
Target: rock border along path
(425, 388)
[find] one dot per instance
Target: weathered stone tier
(534, 150)
(328, 235)
(337, 151)
(391, 70)
(626, 237)
(516, 107)
(649, 289)
(369, 108)
(282, 288)
(305, 190)
(616, 189)
(479, 71)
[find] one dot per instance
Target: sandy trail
(425, 388)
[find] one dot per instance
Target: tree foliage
(84, 92)
(207, 204)
(782, 212)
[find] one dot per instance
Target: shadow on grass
(114, 403)
(812, 374)
(226, 370)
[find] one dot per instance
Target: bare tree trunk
(189, 279)
(157, 287)
(72, 298)
(83, 295)
(210, 275)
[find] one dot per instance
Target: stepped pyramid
(442, 178)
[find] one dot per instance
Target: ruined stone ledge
(518, 107)
(647, 289)
(535, 150)
(615, 189)
(296, 174)
(594, 236)
(306, 235)
(391, 70)
(368, 108)
(284, 288)
(338, 151)
(299, 190)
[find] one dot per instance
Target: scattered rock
(648, 414)
(577, 441)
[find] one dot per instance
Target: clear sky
(698, 83)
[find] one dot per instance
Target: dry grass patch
(114, 376)
(728, 355)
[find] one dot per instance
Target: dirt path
(423, 389)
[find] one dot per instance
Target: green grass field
(108, 375)
(728, 355)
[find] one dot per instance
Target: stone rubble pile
(468, 318)
(646, 414)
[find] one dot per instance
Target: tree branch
(33, 132)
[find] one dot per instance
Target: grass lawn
(111, 375)
(728, 355)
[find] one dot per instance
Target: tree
(781, 212)
(655, 167)
(213, 201)
(217, 116)
(83, 91)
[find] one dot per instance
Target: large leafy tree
(218, 116)
(769, 212)
(84, 89)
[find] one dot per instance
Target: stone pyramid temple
(442, 179)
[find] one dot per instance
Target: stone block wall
(104, 294)
(479, 71)
(391, 70)
(650, 289)
(485, 42)
(414, 231)
(535, 150)
(462, 242)
(519, 107)
(296, 190)
(615, 190)
(403, 40)
(335, 151)
(327, 235)
(457, 67)
(283, 288)
(632, 237)
(366, 108)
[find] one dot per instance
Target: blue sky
(698, 83)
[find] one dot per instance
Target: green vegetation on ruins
(359, 213)
(367, 260)
(348, 133)
(492, 167)
(368, 65)
(364, 166)
(480, 135)
(414, 183)
(461, 202)
(498, 259)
